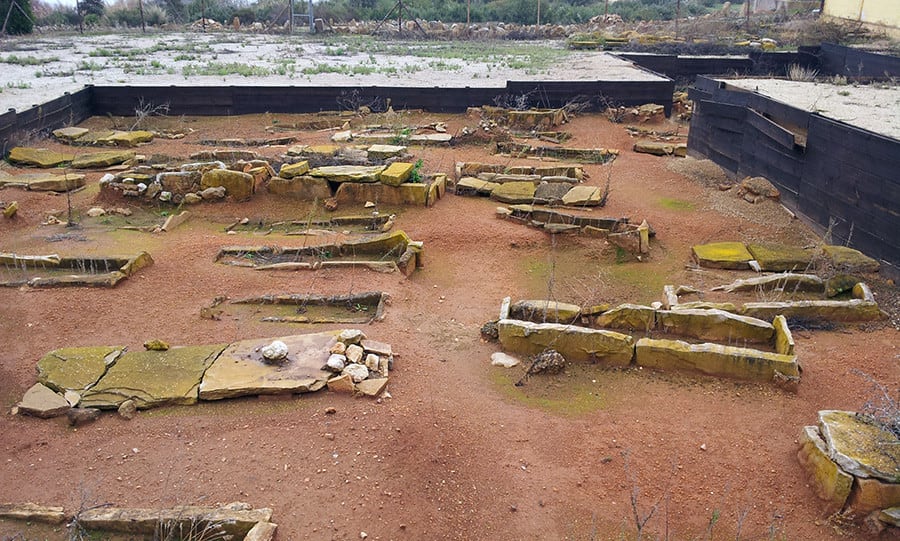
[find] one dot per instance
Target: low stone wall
(579, 343)
(55, 271)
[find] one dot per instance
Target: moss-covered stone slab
(828, 481)
(129, 138)
(715, 360)
(240, 370)
(860, 446)
(153, 378)
(722, 255)
(584, 196)
(348, 173)
(238, 185)
(69, 135)
(784, 339)
(397, 173)
(39, 157)
(291, 170)
(632, 317)
(52, 183)
(851, 310)
(573, 342)
(544, 311)
(716, 325)
(890, 516)
(514, 192)
(778, 258)
(849, 260)
(76, 369)
(42, 401)
(97, 160)
(300, 187)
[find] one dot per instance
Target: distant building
(878, 15)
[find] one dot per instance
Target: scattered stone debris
(756, 189)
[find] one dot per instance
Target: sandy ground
(875, 107)
(278, 60)
(458, 452)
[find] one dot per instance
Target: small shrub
(797, 72)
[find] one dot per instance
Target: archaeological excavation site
(624, 294)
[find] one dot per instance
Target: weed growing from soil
(27, 60)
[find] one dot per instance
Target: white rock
(502, 359)
(94, 212)
(276, 351)
(357, 372)
(107, 178)
(372, 362)
(336, 363)
(351, 336)
(354, 353)
(165, 196)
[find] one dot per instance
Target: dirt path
(457, 452)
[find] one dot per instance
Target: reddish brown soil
(457, 452)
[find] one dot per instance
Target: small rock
(502, 359)
(95, 212)
(357, 372)
(141, 188)
(82, 416)
(351, 336)
(336, 363)
(165, 197)
(354, 353)
(11, 209)
(341, 384)
(122, 211)
(329, 436)
(330, 410)
(372, 362)
(703, 447)
(106, 179)
(277, 351)
(192, 199)
(156, 345)
(339, 348)
(153, 190)
(127, 410)
(369, 205)
(215, 192)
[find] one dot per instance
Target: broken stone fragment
(156, 345)
(357, 372)
(341, 384)
(338, 348)
(372, 362)
(277, 351)
(127, 410)
(354, 353)
(82, 416)
(502, 359)
(351, 336)
(42, 401)
(336, 363)
(372, 387)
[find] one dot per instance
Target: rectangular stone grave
(306, 308)
(55, 271)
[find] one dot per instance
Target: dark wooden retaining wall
(19, 127)
(834, 174)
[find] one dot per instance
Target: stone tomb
(303, 308)
(55, 271)
(711, 342)
(388, 252)
(108, 377)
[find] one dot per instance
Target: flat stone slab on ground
(241, 371)
(153, 378)
(96, 160)
(76, 369)
(587, 196)
(235, 519)
(777, 258)
(715, 359)
(44, 182)
(723, 255)
(348, 173)
(573, 342)
(39, 157)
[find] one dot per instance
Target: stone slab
(715, 359)
(514, 192)
(397, 173)
(291, 170)
(787, 282)
(542, 311)
(847, 259)
(383, 152)
(716, 325)
(628, 317)
(722, 255)
(827, 479)
(97, 160)
(39, 157)
(44, 182)
(241, 371)
(348, 173)
(873, 495)
(861, 447)
(153, 378)
(235, 519)
(238, 185)
(583, 196)
(300, 187)
(573, 342)
(42, 401)
(32, 512)
(852, 310)
(76, 369)
(778, 258)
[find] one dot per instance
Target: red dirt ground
(457, 452)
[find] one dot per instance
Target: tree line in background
(25, 13)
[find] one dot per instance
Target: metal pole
(468, 10)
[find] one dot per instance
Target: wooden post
(606, 11)
(539, 13)
(291, 16)
(141, 8)
(6, 20)
(677, 16)
(80, 17)
(747, 15)
(468, 10)
(399, 16)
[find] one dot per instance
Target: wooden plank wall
(841, 177)
(20, 127)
